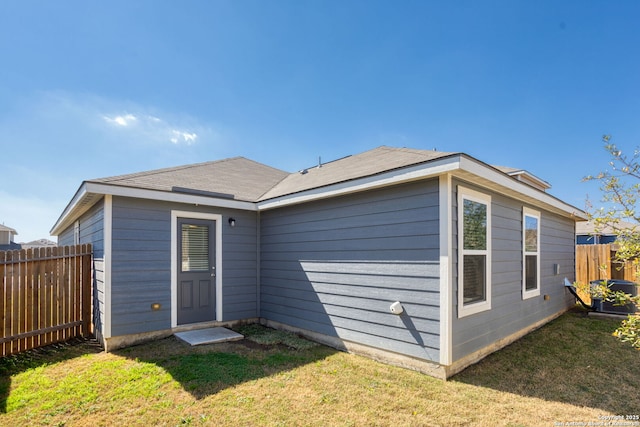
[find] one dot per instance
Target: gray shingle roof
(9, 229)
(237, 178)
(589, 227)
(247, 181)
(372, 162)
(242, 179)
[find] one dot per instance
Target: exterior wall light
(232, 222)
(396, 308)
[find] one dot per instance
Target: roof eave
(410, 173)
(458, 164)
(67, 216)
(534, 179)
(91, 192)
(492, 178)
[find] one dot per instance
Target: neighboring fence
(595, 262)
(45, 296)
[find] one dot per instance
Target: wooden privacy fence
(45, 296)
(597, 262)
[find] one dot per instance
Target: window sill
(470, 309)
(530, 294)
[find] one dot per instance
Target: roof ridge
(122, 177)
(274, 185)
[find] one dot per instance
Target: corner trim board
(446, 271)
(108, 244)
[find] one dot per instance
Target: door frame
(217, 218)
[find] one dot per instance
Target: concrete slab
(209, 336)
(601, 315)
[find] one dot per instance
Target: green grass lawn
(571, 370)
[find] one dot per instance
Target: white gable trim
(72, 207)
(165, 196)
(412, 173)
(81, 201)
(458, 165)
(480, 169)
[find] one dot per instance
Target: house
(587, 233)
(6, 239)
(423, 259)
(39, 243)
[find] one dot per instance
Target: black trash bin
(618, 285)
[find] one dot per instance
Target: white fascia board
(478, 168)
(89, 188)
(451, 164)
(530, 177)
(421, 171)
(165, 196)
(57, 227)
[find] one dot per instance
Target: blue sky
(94, 89)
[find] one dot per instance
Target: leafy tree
(620, 188)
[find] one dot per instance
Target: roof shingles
(246, 180)
(238, 178)
(372, 162)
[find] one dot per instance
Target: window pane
(474, 278)
(531, 272)
(475, 225)
(530, 234)
(195, 247)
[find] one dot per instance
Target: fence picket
(597, 262)
(85, 310)
(48, 296)
(38, 305)
(3, 298)
(14, 299)
(29, 288)
(70, 314)
(45, 296)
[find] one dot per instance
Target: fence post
(29, 289)
(3, 296)
(86, 288)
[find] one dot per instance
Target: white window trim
(76, 232)
(526, 294)
(469, 309)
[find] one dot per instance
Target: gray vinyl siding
(92, 231)
(335, 266)
(66, 237)
(509, 312)
(141, 266)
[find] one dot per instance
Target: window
(474, 252)
(195, 247)
(76, 233)
(530, 253)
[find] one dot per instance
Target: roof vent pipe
(319, 162)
